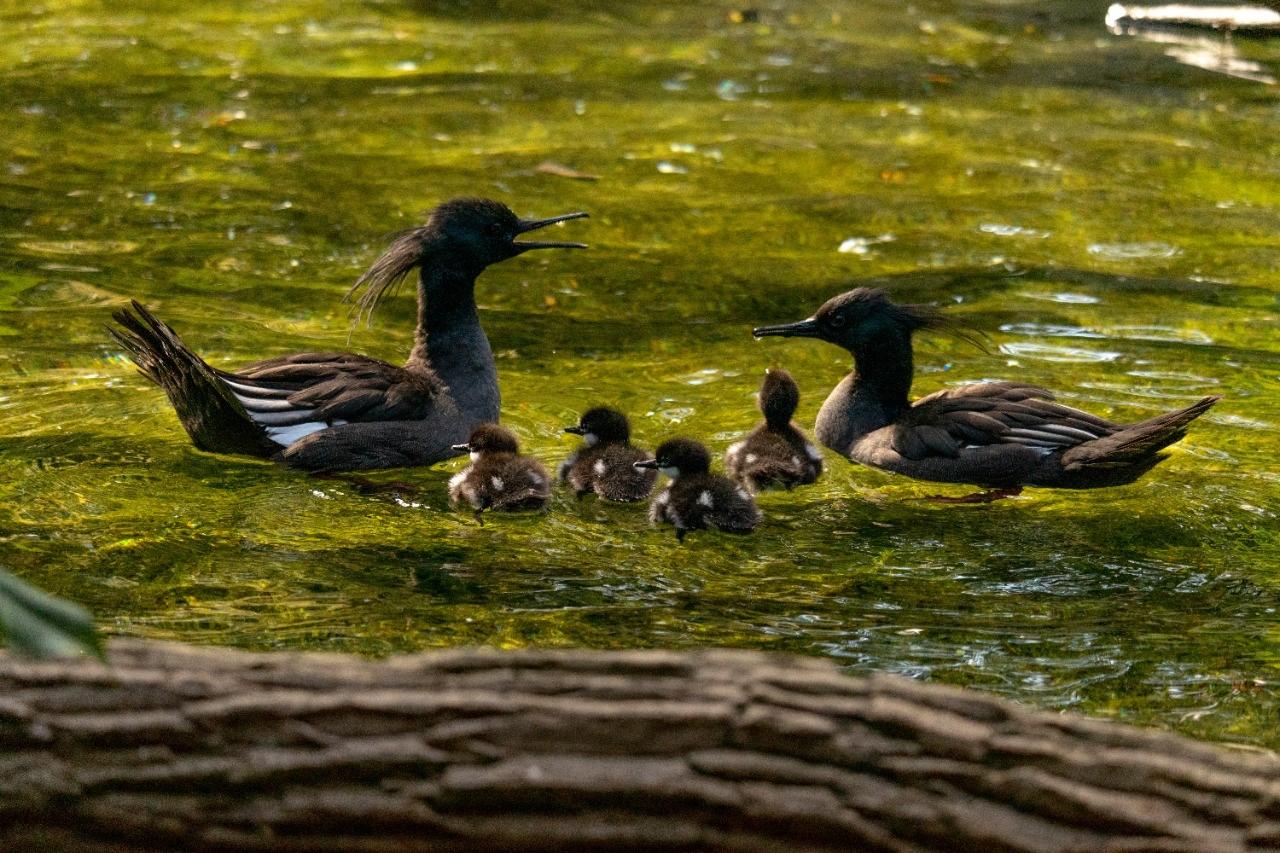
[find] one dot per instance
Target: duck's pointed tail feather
(210, 413)
(1136, 446)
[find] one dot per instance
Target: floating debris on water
(862, 245)
(79, 247)
(1065, 298)
(1133, 251)
(731, 90)
(1001, 230)
(666, 167)
(560, 170)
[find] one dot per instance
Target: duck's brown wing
(948, 421)
(313, 390)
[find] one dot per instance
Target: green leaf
(37, 624)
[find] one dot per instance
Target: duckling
(999, 435)
(498, 476)
(696, 498)
(605, 462)
(775, 453)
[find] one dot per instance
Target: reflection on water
(1217, 53)
(237, 171)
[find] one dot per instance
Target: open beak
(803, 329)
(527, 225)
(648, 463)
(462, 448)
(575, 430)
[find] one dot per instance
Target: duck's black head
(678, 457)
(483, 232)
(779, 397)
(602, 424)
(490, 438)
(863, 315)
(465, 234)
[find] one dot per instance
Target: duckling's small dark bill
(461, 448)
(650, 464)
(802, 329)
(575, 430)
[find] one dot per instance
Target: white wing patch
(285, 436)
(498, 485)
(704, 499)
(600, 468)
(742, 493)
(751, 457)
(270, 409)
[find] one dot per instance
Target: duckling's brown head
(677, 457)
(602, 424)
(779, 397)
(490, 438)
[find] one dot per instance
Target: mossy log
(174, 747)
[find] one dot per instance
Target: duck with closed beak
(605, 464)
(498, 477)
(998, 435)
(776, 453)
(338, 411)
(696, 498)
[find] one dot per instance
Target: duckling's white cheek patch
(600, 468)
(475, 457)
(670, 472)
(590, 439)
(813, 452)
(704, 499)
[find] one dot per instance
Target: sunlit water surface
(1108, 215)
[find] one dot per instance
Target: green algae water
(1108, 214)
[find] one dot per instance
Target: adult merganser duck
(337, 411)
(1000, 435)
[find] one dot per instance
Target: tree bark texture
(174, 747)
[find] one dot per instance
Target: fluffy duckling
(605, 464)
(775, 453)
(696, 498)
(498, 476)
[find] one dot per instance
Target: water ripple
(1046, 352)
